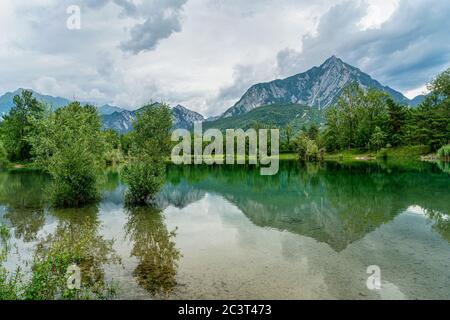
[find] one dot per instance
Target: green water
(309, 232)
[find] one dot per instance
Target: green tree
(69, 144)
(444, 153)
(313, 132)
(150, 147)
(307, 149)
(3, 154)
(397, 117)
(378, 138)
(441, 85)
(113, 152)
(18, 126)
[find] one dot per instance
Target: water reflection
(308, 232)
(76, 240)
(154, 247)
(22, 196)
(332, 203)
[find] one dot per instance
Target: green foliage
(19, 125)
(378, 139)
(69, 144)
(80, 246)
(271, 116)
(144, 179)
(126, 141)
(288, 144)
(396, 121)
(150, 147)
(307, 148)
(441, 84)
(71, 244)
(444, 153)
(9, 282)
(352, 121)
(3, 155)
(369, 119)
(113, 150)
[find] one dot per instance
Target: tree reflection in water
(76, 240)
(21, 193)
(155, 250)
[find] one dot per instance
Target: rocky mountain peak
(318, 87)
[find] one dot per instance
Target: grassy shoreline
(400, 154)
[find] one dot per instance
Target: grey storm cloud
(405, 52)
(162, 19)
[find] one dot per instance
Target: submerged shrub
(144, 179)
(70, 146)
(150, 147)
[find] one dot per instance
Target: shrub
(444, 153)
(144, 179)
(145, 172)
(69, 144)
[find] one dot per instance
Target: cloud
(162, 20)
(205, 54)
(404, 52)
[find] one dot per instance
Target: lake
(310, 232)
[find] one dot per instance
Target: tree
(288, 131)
(150, 147)
(69, 144)
(441, 85)
(444, 153)
(18, 126)
(378, 138)
(313, 132)
(397, 116)
(307, 149)
(3, 154)
(113, 153)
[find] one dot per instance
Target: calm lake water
(309, 232)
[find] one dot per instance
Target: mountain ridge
(113, 117)
(6, 102)
(122, 122)
(317, 87)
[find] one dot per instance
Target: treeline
(72, 147)
(370, 120)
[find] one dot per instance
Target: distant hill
(116, 118)
(273, 116)
(109, 109)
(418, 100)
(318, 87)
(6, 100)
(122, 121)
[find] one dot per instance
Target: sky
(204, 54)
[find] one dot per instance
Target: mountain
(318, 87)
(6, 100)
(275, 115)
(113, 117)
(418, 100)
(109, 109)
(183, 118)
(121, 122)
